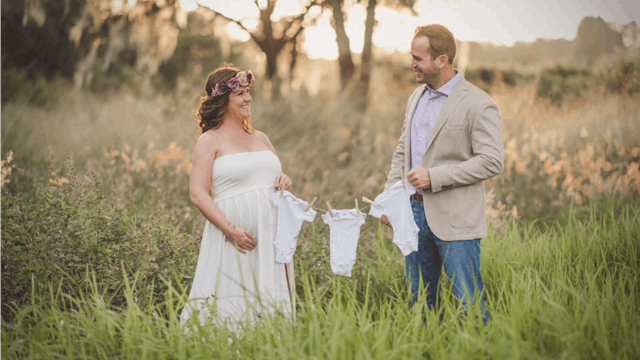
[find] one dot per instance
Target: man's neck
(447, 74)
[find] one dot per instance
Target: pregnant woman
(235, 171)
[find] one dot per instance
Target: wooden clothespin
(311, 203)
(369, 201)
(404, 185)
(281, 193)
(330, 209)
(358, 207)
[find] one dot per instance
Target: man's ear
(442, 61)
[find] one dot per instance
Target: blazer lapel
(407, 139)
(457, 94)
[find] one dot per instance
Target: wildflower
(111, 154)
(58, 182)
(6, 168)
(514, 212)
(632, 169)
(185, 166)
(543, 156)
(125, 157)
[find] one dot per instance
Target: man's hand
(384, 220)
(419, 178)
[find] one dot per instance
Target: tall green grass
(569, 291)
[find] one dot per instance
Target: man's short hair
(441, 40)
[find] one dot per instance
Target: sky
(494, 21)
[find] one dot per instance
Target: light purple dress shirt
(424, 118)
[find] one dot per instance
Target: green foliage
(623, 78)
(513, 78)
(567, 291)
(56, 233)
(35, 89)
(113, 79)
(485, 78)
(561, 83)
(484, 75)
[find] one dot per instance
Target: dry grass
(554, 155)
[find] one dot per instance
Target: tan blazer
(465, 149)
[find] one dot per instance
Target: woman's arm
(200, 182)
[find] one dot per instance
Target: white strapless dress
(227, 284)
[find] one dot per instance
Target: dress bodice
(237, 173)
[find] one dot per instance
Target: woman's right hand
(242, 239)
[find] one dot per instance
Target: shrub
(57, 232)
(623, 78)
(561, 83)
(32, 88)
(487, 76)
(512, 78)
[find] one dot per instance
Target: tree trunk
(292, 64)
(345, 60)
(367, 54)
(272, 73)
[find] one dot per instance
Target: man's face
(426, 69)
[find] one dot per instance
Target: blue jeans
(460, 259)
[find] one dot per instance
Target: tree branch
(235, 21)
(298, 32)
(299, 18)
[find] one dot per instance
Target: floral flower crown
(242, 78)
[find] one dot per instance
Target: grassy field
(100, 241)
(568, 291)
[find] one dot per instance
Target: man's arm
(397, 161)
(488, 150)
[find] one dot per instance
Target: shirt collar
(447, 87)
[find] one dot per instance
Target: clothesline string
(317, 209)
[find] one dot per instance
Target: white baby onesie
(291, 214)
(395, 204)
(344, 233)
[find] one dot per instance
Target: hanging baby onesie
(291, 213)
(344, 233)
(395, 204)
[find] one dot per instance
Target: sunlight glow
(188, 5)
(492, 21)
(320, 41)
(237, 33)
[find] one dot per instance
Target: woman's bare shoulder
(211, 136)
(264, 139)
(208, 142)
(261, 136)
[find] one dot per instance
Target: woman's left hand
(283, 182)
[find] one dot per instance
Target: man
(451, 142)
